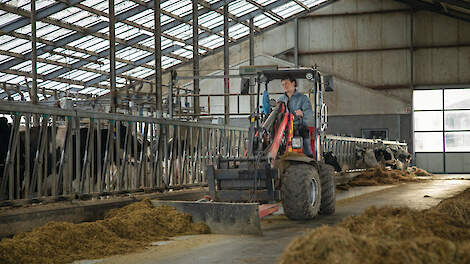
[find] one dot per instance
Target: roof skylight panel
(64, 87)
(15, 79)
(3, 58)
(84, 76)
(90, 42)
(89, 2)
(44, 68)
(66, 13)
(238, 31)
(149, 42)
(141, 72)
(5, 76)
(90, 76)
(7, 18)
(10, 45)
(173, 5)
(209, 39)
(187, 53)
(86, 90)
(215, 43)
(182, 31)
(145, 74)
(182, 9)
(287, 10)
(168, 62)
(133, 54)
(265, 2)
(5, 39)
(211, 20)
(101, 93)
(101, 6)
(120, 64)
(100, 46)
(123, 6)
(79, 16)
(22, 48)
(90, 20)
(243, 9)
(141, 17)
(311, 3)
(128, 32)
(57, 34)
(263, 21)
(169, 3)
(39, 4)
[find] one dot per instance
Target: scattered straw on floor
(391, 235)
(379, 176)
(123, 230)
(418, 171)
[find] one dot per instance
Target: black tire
(328, 189)
(301, 191)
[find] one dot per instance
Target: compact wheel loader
(274, 167)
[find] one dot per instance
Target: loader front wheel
(328, 189)
(301, 191)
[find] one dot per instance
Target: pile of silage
(123, 230)
(391, 235)
(379, 176)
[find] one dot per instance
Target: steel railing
(344, 148)
(116, 154)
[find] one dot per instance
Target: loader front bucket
(222, 218)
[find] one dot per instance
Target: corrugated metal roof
(73, 46)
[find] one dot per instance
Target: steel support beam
(130, 67)
(252, 62)
(421, 5)
(197, 108)
(40, 14)
(458, 3)
(266, 10)
(112, 57)
(34, 58)
(102, 54)
(158, 59)
(226, 68)
(296, 42)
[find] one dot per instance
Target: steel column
(158, 58)
(34, 55)
(226, 67)
(296, 42)
(252, 62)
(197, 108)
(112, 56)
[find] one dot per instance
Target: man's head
(289, 83)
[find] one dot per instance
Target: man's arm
(308, 118)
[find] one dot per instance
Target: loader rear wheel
(301, 191)
(328, 189)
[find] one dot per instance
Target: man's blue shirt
(299, 101)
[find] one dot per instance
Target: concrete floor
(279, 231)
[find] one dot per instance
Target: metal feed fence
(344, 148)
(51, 152)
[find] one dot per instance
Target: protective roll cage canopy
(309, 74)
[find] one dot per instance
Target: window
(442, 124)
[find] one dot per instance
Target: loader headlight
(297, 142)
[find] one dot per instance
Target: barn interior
(151, 131)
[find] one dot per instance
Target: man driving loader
(298, 104)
